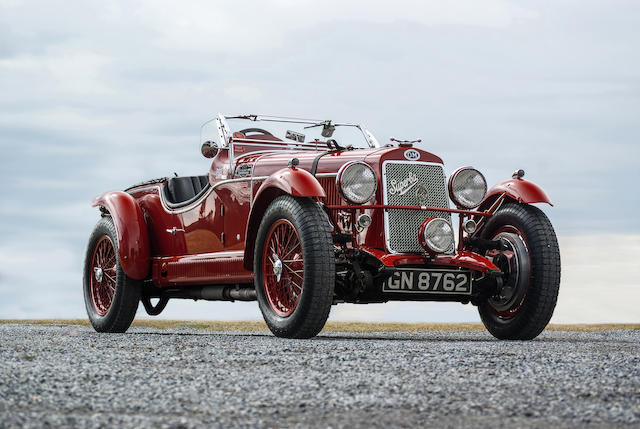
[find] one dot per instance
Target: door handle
(174, 230)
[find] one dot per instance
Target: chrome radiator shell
(411, 183)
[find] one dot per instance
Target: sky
(96, 96)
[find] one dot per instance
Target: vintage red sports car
(303, 214)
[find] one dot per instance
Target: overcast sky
(97, 95)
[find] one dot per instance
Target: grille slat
(329, 185)
(415, 184)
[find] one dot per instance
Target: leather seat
(181, 190)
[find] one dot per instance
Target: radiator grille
(329, 185)
(414, 184)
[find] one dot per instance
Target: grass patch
(243, 326)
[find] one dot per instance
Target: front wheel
(523, 306)
(111, 297)
(294, 267)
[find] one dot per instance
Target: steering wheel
(255, 130)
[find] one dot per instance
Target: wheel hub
(514, 262)
(277, 267)
(97, 271)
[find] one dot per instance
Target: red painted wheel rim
(103, 275)
(282, 254)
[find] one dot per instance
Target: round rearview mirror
(209, 149)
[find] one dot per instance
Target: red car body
(208, 241)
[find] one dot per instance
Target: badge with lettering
(403, 186)
(412, 154)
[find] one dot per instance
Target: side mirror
(209, 149)
(327, 130)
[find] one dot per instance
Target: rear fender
(291, 181)
(133, 238)
(519, 190)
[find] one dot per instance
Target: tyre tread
(545, 278)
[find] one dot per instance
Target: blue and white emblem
(412, 154)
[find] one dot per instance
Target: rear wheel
(111, 297)
(524, 305)
(294, 267)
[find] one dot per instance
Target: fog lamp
(436, 235)
(364, 220)
(469, 226)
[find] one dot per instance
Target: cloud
(99, 95)
(600, 279)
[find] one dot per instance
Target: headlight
(436, 235)
(357, 182)
(467, 187)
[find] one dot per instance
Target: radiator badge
(412, 154)
(422, 195)
(403, 186)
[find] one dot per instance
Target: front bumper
(461, 259)
(487, 277)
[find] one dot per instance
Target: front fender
(292, 181)
(133, 238)
(520, 190)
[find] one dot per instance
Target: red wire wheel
(103, 275)
(283, 268)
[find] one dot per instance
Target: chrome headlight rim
(427, 243)
(456, 200)
(339, 182)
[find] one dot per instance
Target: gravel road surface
(72, 376)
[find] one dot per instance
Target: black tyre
(294, 267)
(110, 296)
(525, 304)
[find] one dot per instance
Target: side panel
(204, 269)
(162, 242)
(133, 239)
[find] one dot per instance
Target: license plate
(429, 281)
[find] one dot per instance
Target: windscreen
(296, 132)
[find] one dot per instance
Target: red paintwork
(133, 239)
(463, 259)
(520, 190)
(208, 268)
(293, 181)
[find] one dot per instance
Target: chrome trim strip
(199, 200)
(204, 196)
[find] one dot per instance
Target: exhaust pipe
(217, 293)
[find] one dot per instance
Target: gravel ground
(72, 376)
